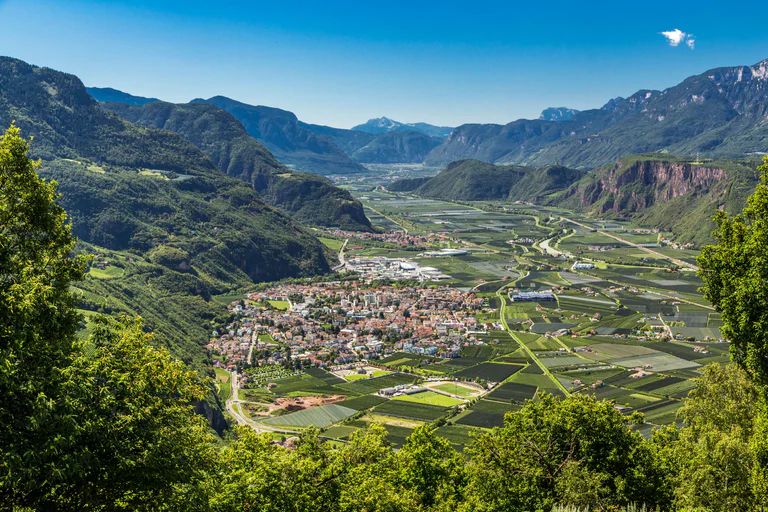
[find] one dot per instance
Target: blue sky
(340, 63)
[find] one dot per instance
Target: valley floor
(616, 313)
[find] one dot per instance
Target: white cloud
(677, 36)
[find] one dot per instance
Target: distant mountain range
(384, 125)
(558, 114)
(719, 113)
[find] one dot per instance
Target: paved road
(233, 406)
(637, 246)
(342, 259)
(527, 350)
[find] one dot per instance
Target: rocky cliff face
(631, 187)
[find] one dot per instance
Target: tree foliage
(37, 316)
(555, 450)
(735, 275)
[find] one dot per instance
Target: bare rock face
(633, 187)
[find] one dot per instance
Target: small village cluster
(343, 322)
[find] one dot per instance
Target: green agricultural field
(306, 384)
(429, 398)
(610, 351)
(539, 380)
(410, 410)
(486, 414)
(323, 375)
(565, 360)
(366, 386)
(588, 377)
(512, 391)
(339, 432)
(320, 417)
(543, 343)
(658, 362)
(457, 389)
(401, 359)
(458, 435)
(495, 372)
(109, 272)
(331, 243)
(359, 376)
(364, 402)
(224, 383)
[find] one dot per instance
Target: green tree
(735, 275)
(137, 443)
(716, 456)
(38, 320)
(105, 429)
(431, 468)
(547, 453)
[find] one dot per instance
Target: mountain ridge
(381, 125)
(558, 114)
(292, 144)
(310, 198)
(110, 95)
(719, 113)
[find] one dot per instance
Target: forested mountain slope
(677, 194)
(309, 198)
(473, 180)
(108, 94)
(155, 197)
(397, 147)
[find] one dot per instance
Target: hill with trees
(383, 147)
(407, 184)
(396, 147)
(671, 193)
(473, 180)
(108, 94)
(309, 198)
